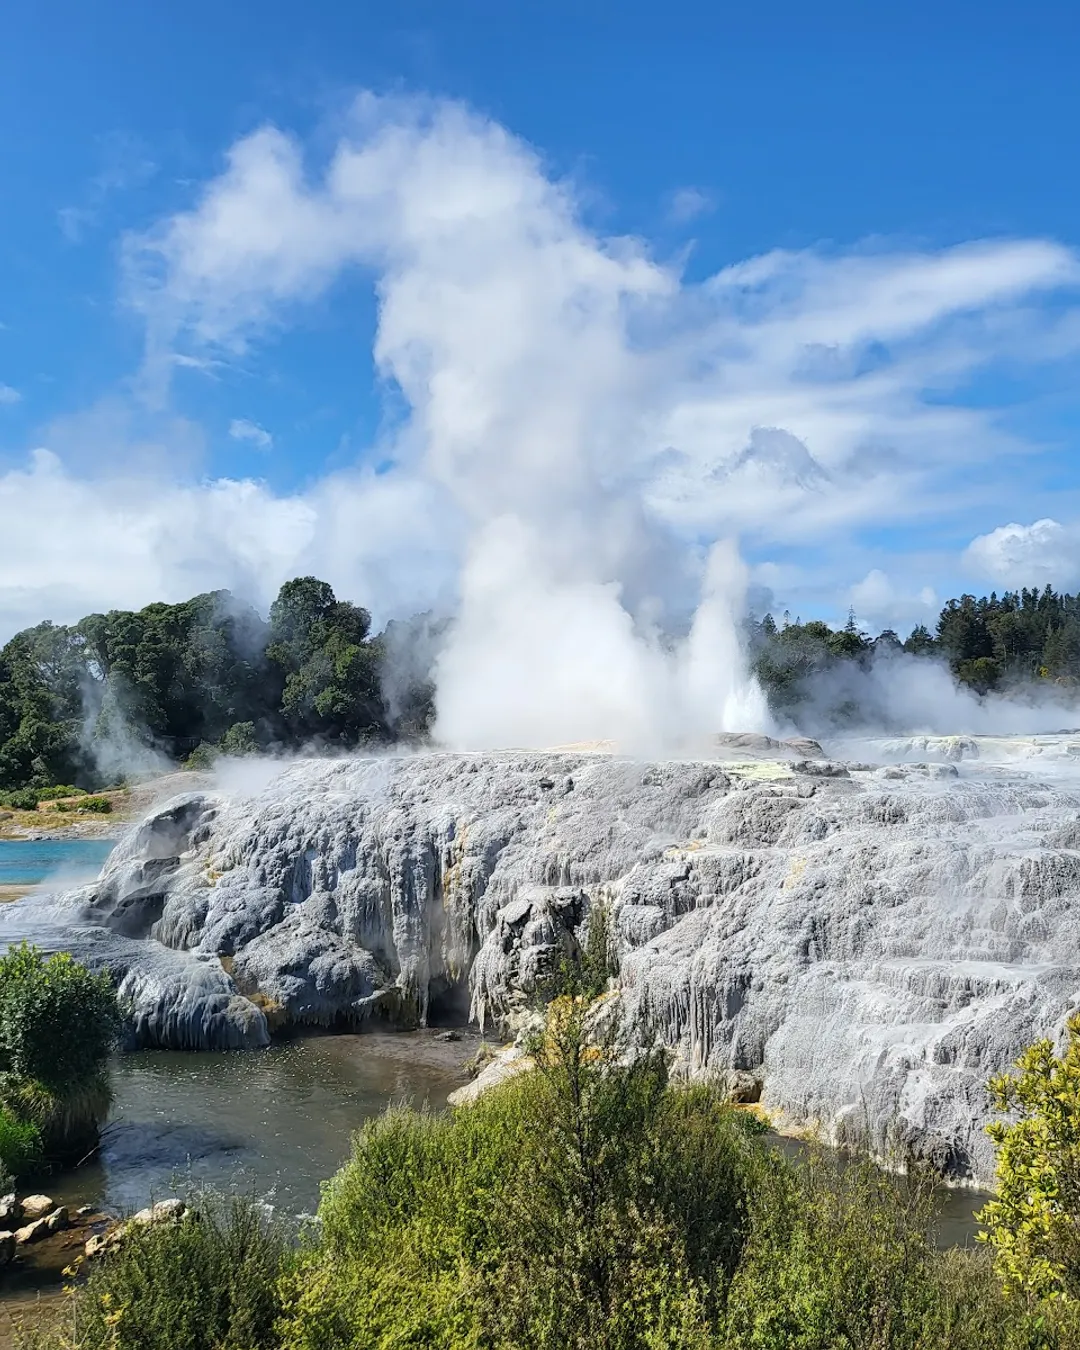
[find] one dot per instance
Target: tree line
(210, 674)
(1020, 638)
(213, 675)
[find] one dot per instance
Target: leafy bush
(1033, 1226)
(51, 794)
(203, 757)
(21, 799)
(101, 805)
(208, 1283)
(20, 1148)
(587, 1202)
(584, 1204)
(240, 739)
(58, 1025)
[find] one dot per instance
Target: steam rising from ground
(578, 432)
(899, 694)
(540, 656)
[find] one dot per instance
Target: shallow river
(277, 1122)
(270, 1122)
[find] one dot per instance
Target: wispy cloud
(689, 203)
(9, 395)
(240, 429)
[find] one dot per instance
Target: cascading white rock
(865, 943)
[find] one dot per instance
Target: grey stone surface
(866, 938)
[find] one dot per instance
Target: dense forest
(181, 681)
(80, 703)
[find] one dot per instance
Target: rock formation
(861, 943)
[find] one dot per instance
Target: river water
(275, 1123)
(272, 1123)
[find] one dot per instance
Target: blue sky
(821, 260)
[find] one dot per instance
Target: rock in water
(33, 1232)
(869, 941)
(36, 1206)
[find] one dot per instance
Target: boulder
(33, 1232)
(57, 1220)
(11, 1209)
(99, 1243)
(165, 1211)
(36, 1206)
(7, 1247)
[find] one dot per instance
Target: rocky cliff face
(861, 943)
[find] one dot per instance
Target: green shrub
(1033, 1224)
(100, 805)
(58, 1025)
(20, 1148)
(209, 1282)
(203, 757)
(584, 1204)
(21, 799)
(240, 739)
(587, 1202)
(51, 794)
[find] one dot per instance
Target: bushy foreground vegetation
(58, 1024)
(588, 1203)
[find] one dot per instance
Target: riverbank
(272, 1124)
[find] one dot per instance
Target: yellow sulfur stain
(795, 873)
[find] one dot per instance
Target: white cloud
(880, 603)
(9, 395)
(568, 396)
(74, 545)
(687, 204)
(1044, 552)
(534, 353)
(240, 429)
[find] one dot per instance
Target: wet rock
(11, 1210)
(84, 1211)
(7, 1247)
(57, 1220)
(36, 1206)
